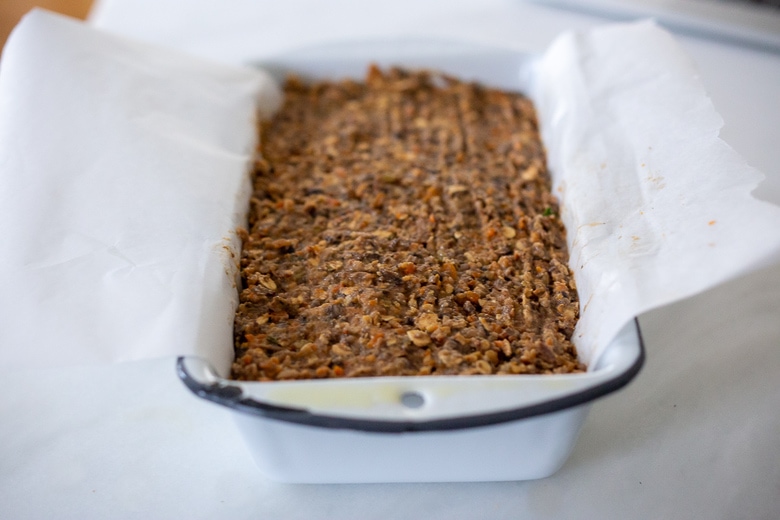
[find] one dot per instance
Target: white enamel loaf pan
(415, 429)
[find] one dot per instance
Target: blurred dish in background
(755, 23)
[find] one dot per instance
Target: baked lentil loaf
(403, 226)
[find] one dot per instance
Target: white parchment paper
(124, 172)
(656, 206)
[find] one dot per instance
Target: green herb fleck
(548, 211)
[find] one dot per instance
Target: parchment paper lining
(125, 173)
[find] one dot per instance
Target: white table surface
(696, 435)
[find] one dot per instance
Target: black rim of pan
(231, 396)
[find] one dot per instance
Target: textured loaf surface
(403, 226)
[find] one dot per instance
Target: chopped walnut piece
(428, 322)
(403, 226)
(419, 338)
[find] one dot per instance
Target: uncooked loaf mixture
(403, 226)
